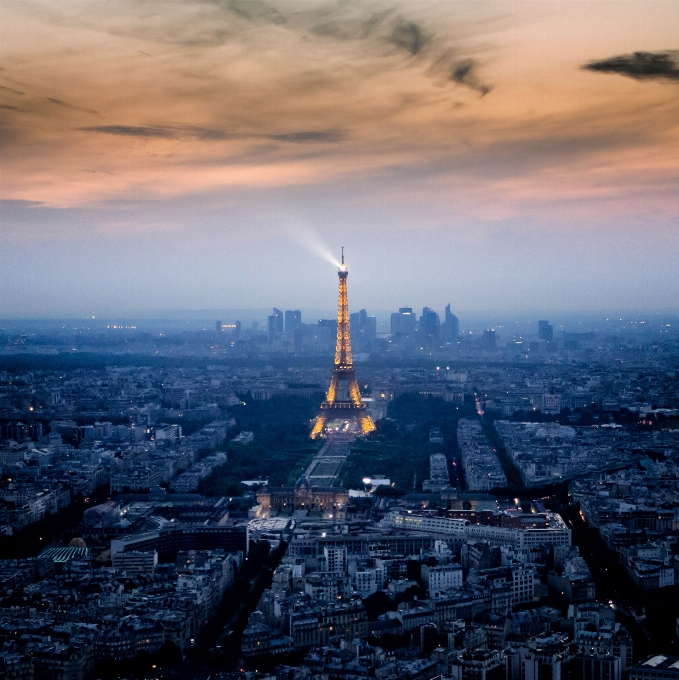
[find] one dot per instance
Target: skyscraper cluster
(428, 330)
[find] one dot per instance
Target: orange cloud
(488, 108)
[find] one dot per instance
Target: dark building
(430, 325)
(169, 540)
(478, 665)
(578, 340)
(551, 657)
(327, 332)
(545, 331)
(656, 667)
(278, 316)
(354, 322)
(403, 322)
(297, 339)
(363, 330)
(598, 667)
(20, 432)
(450, 328)
(371, 328)
(275, 324)
(293, 319)
(489, 339)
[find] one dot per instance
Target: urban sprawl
(538, 542)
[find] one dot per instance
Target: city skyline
(501, 156)
(219, 459)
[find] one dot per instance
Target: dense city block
(164, 511)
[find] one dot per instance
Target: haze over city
(203, 155)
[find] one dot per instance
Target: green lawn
(400, 447)
(281, 449)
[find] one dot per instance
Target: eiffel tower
(343, 398)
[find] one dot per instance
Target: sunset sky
(204, 154)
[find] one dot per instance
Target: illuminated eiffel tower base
(343, 410)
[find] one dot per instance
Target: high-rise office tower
(545, 331)
(363, 330)
(450, 328)
(278, 316)
(430, 325)
(403, 322)
(354, 324)
(395, 323)
(293, 319)
(371, 328)
(275, 325)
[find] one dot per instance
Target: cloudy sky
(193, 154)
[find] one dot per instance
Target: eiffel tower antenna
(343, 398)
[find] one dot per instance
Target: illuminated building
(303, 496)
(298, 339)
(315, 489)
(343, 409)
(232, 328)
